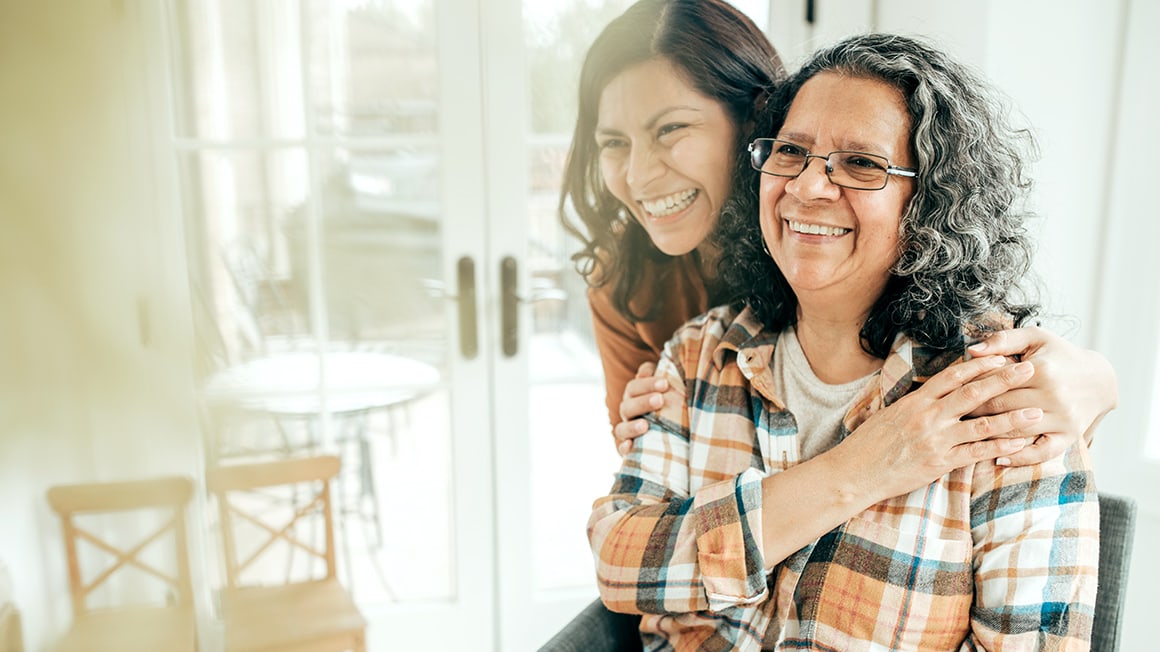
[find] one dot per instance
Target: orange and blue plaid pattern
(985, 557)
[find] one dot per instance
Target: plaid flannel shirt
(985, 557)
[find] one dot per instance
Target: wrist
(851, 489)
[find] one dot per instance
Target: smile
(673, 203)
(816, 229)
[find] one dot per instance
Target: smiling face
(666, 152)
(833, 243)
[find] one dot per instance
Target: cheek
(771, 189)
(880, 216)
(612, 172)
(705, 163)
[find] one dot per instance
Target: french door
(367, 183)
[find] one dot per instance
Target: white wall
(88, 334)
(1127, 324)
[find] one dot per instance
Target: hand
(1074, 387)
(922, 436)
(642, 395)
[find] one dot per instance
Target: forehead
(641, 90)
(844, 112)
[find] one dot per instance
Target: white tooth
(816, 229)
(671, 204)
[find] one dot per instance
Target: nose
(814, 181)
(643, 165)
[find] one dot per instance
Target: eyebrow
(853, 146)
(652, 121)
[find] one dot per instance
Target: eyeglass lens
(856, 170)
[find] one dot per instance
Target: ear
(761, 101)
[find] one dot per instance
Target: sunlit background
(234, 230)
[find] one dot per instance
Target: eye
(611, 143)
(784, 148)
(864, 162)
(670, 128)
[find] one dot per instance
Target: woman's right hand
(642, 394)
(924, 435)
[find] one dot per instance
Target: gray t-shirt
(817, 407)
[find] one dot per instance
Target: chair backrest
(11, 635)
(1117, 526)
(315, 472)
(124, 499)
(596, 629)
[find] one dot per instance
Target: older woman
(778, 500)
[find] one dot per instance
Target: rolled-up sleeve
(1036, 555)
(660, 547)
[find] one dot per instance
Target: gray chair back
(596, 629)
(1117, 526)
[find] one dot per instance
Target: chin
(674, 246)
(674, 251)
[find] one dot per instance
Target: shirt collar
(907, 365)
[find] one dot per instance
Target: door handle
(509, 307)
(468, 339)
(510, 301)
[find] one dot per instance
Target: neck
(708, 254)
(830, 336)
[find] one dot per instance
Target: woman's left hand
(1074, 387)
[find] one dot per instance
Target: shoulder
(700, 338)
(710, 325)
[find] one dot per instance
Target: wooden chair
(166, 624)
(316, 614)
(11, 636)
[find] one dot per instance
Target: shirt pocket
(869, 582)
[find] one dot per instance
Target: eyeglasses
(854, 170)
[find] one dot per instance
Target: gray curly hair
(964, 244)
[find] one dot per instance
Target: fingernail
(978, 347)
(642, 427)
(656, 401)
(1016, 444)
(661, 385)
(1031, 414)
(1002, 461)
(623, 447)
(1024, 368)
